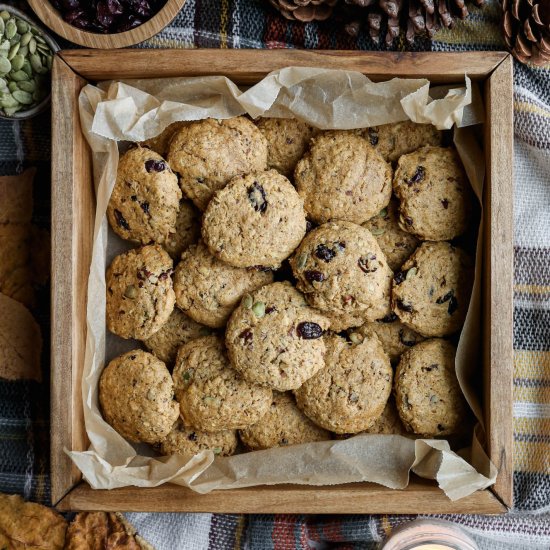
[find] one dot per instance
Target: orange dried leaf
(28, 526)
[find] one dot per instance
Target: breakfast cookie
(284, 424)
(208, 153)
(145, 200)
(343, 321)
(161, 144)
(434, 193)
(341, 269)
(387, 423)
(140, 297)
(287, 141)
(256, 220)
(343, 177)
(212, 395)
(208, 289)
(428, 395)
(137, 397)
(188, 441)
(399, 138)
(178, 330)
(431, 293)
(187, 232)
(274, 339)
(394, 336)
(396, 244)
(350, 393)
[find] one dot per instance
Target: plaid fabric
(253, 24)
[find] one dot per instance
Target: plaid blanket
(252, 24)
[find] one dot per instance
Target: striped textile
(250, 24)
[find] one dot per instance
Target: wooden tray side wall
(72, 197)
(498, 277)
(73, 206)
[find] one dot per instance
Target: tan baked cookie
(178, 330)
(341, 269)
(137, 397)
(208, 153)
(208, 289)
(387, 423)
(396, 244)
(343, 177)
(350, 393)
(161, 144)
(435, 197)
(394, 336)
(211, 394)
(428, 395)
(187, 232)
(400, 138)
(343, 321)
(287, 141)
(274, 339)
(145, 200)
(257, 219)
(189, 441)
(140, 297)
(432, 291)
(284, 424)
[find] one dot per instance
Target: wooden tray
(72, 227)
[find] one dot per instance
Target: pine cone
(305, 10)
(416, 17)
(526, 26)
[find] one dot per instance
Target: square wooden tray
(73, 206)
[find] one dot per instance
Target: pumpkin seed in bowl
(26, 55)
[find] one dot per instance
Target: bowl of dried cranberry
(106, 24)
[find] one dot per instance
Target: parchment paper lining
(135, 110)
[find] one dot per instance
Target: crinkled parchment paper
(136, 110)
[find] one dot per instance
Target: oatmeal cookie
(284, 424)
(137, 397)
(435, 197)
(387, 423)
(428, 395)
(208, 289)
(343, 177)
(140, 297)
(399, 138)
(161, 144)
(394, 336)
(287, 141)
(208, 153)
(145, 200)
(188, 441)
(350, 393)
(212, 395)
(258, 219)
(187, 232)
(432, 291)
(274, 339)
(396, 244)
(178, 330)
(341, 269)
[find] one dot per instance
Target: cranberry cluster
(107, 16)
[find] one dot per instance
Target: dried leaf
(26, 525)
(100, 531)
(16, 197)
(20, 342)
